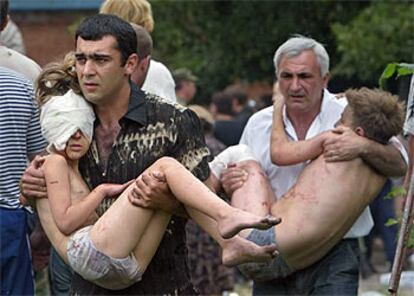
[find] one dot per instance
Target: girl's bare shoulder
(53, 160)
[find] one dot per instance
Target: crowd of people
(120, 185)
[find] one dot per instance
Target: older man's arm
(385, 159)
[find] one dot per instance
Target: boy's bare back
(322, 206)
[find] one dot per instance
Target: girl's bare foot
(239, 220)
(238, 250)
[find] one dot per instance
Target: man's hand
(345, 145)
(151, 191)
(232, 178)
(32, 183)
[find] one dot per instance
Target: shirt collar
(136, 107)
(315, 126)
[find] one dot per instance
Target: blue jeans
(383, 209)
(16, 263)
(335, 274)
(60, 275)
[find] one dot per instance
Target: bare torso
(79, 190)
(323, 205)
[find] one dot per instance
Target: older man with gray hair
(302, 71)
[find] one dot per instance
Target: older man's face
(301, 83)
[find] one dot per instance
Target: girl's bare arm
(67, 215)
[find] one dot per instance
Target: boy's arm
(69, 217)
(284, 152)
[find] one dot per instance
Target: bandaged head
(63, 116)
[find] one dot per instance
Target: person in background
(21, 140)
(159, 79)
(185, 85)
(240, 103)
(226, 128)
(11, 58)
(12, 37)
(208, 274)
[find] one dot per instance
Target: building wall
(47, 35)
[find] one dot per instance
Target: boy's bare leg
(255, 196)
(193, 193)
(236, 250)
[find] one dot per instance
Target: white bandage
(62, 116)
(232, 154)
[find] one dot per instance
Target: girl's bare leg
(193, 193)
(119, 230)
(150, 240)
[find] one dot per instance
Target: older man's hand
(345, 145)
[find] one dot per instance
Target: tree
(222, 41)
(382, 33)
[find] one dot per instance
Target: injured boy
(328, 196)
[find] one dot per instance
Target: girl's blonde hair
(56, 79)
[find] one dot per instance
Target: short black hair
(100, 25)
(223, 103)
(4, 11)
(144, 41)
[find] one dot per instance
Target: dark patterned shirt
(152, 128)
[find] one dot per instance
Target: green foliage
(224, 41)
(381, 34)
(395, 192)
(395, 69)
(399, 191)
(392, 222)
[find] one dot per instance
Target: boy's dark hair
(4, 11)
(100, 25)
(238, 92)
(378, 112)
(223, 103)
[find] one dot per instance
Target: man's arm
(285, 152)
(151, 190)
(385, 159)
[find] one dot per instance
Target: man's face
(301, 83)
(190, 90)
(99, 70)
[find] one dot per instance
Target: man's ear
(326, 79)
(131, 63)
(360, 131)
(146, 61)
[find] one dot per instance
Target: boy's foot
(239, 250)
(230, 226)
